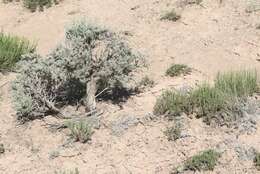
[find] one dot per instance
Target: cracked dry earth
(209, 38)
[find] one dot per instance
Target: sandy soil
(209, 38)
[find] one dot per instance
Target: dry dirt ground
(211, 37)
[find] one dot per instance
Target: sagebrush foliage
(89, 52)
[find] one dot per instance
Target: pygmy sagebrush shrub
(91, 59)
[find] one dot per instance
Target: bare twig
(101, 92)
(4, 84)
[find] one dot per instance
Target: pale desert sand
(209, 38)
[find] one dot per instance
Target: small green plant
(146, 82)
(172, 103)
(171, 16)
(178, 69)
(33, 5)
(257, 161)
(203, 161)
(75, 171)
(173, 133)
(11, 50)
(237, 84)
(80, 130)
(198, 2)
(2, 149)
(208, 99)
(221, 103)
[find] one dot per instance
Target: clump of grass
(33, 5)
(204, 161)
(208, 99)
(11, 50)
(238, 84)
(173, 133)
(178, 69)
(80, 131)
(171, 16)
(146, 82)
(257, 161)
(172, 103)
(198, 2)
(220, 103)
(2, 149)
(75, 171)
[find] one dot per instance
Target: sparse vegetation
(237, 84)
(220, 103)
(174, 132)
(80, 130)
(146, 82)
(210, 103)
(2, 149)
(92, 60)
(33, 5)
(171, 16)
(204, 161)
(178, 69)
(257, 161)
(75, 171)
(172, 103)
(11, 50)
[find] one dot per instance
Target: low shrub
(257, 161)
(11, 50)
(146, 82)
(171, 16)
(80, 130)
(178, 69)
(91, 61)
(33, 5)
(173, 133)
(204, 161)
